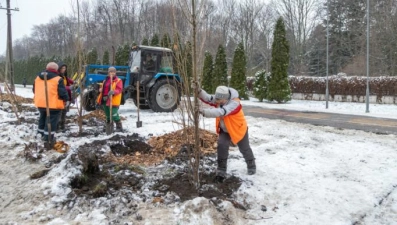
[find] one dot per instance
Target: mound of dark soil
(181, 185)
(129, 147)
(105, 174)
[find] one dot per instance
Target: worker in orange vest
(112, 88)
(57, 99)
(231, 126)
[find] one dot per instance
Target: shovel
(138, 122)
(49, 145)
(109, 126)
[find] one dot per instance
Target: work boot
(45, 138)
(119, 126)
(251, 167)
(221, 170)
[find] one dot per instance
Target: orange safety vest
(235, 123)
(116, 99)
(52, 89)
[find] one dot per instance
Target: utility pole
(9, 60)
(326, 84)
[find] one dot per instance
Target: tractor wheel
(164, 96)
(89, 101)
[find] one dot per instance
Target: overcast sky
(31, 12)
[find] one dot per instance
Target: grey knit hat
(112, 69)
(222, 92)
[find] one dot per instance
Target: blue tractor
(149, 80)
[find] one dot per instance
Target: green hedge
(344, 85)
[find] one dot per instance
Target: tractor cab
(147, 61)
(158, 84)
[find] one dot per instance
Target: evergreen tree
(166, 41)
(119, 55)
(238, 79)
(145, 41)
(125, 55)
(185, 61)
(105, 58)
(279, 88)
(208, 68)
(317, 53)
(155, 41)
(92, 56)
(176, 49)
(346, 31)
(71, 68)
(188, 61)
(261, 85)
(220, 69)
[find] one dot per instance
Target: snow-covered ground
(305, 174)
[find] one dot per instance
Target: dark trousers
(62, 118)
(43, 123)
(243, 145)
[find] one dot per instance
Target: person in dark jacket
(57, 99)
(62, 71)
(149, 64)
(24, 82)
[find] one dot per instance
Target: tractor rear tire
(164, 96)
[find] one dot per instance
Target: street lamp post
(326, 85)
(367, 92)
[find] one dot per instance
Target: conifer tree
(119, 55)
(189, 60)
(220, 69)
(166, 41)
(238, 79)
(68, 60)
(92, 56)
(208, 68)
(145, 41)
(125, 55)
(279, 88)
(105, 58)
(186, 60)
(261, 85)
(176, 49)
(155, 41)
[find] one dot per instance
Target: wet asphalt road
(343, 121)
